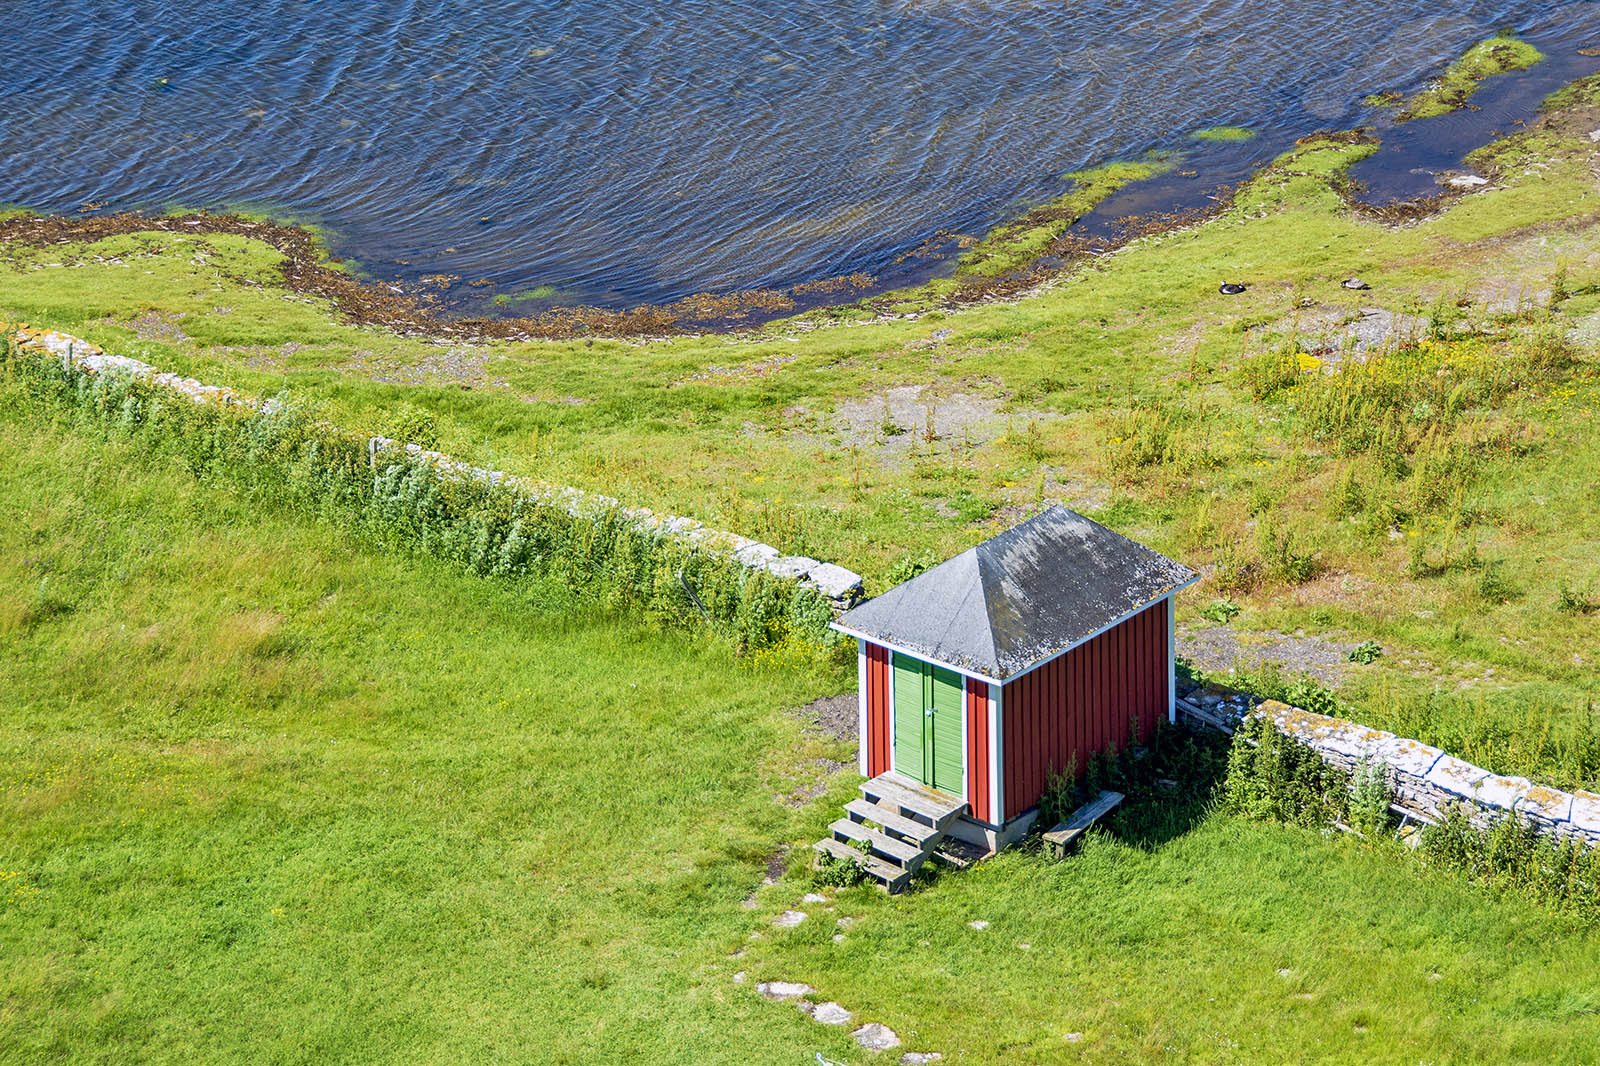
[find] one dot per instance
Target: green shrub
(830, 871)
(1273, 777)
(1370, 797)
(1221, 611)
(1513, 858)
(1368, 651)
(413, 425)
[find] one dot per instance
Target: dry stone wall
(841, 587)
(1428, 782)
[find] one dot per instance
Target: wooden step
(885, 846)
(1062, 836)
(913, 831)
(910, 799)
(892, 878)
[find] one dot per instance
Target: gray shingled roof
(1019, 598)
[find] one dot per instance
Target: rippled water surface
(621, 150)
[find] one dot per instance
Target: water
(622, 151)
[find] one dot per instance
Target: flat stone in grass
(875, 1036)
(789, 919)
(980, 925)
(919, 1058)
(813, 897)
(830, 1013)
(784, 989)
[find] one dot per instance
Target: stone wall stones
(1428, 782)
(841, 587)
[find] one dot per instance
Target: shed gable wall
(1082, 703)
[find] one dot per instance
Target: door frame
(894, 754)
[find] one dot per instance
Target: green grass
(268, 798)
(1177, 953)
(1119, 390)
(1452, 90)
(1223, 133)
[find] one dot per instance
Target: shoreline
(1045, 243)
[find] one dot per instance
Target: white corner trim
(997, 762)
(864, 741)
(1172, 661)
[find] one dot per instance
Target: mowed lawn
(266, 797)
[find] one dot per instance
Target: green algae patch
(1497, 55)
(1017, 244)
(538, 292)
(1223, 133)
(1581, 93)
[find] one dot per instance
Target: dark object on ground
(1062, 836)
(1355, 283)
(1230, 288)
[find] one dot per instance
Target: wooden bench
(1062, 837)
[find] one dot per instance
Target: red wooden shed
(1016, 659)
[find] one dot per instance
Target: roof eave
(965, 671)
(1145, 606)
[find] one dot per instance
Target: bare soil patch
(835, 716)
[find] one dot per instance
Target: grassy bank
(267, 798)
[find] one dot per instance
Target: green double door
(928, 705)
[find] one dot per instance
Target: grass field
(264, 798)
(268, 795)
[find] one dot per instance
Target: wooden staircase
(892, 829)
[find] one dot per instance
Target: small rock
(1466, 181)
(1230, 288)
(831, 1014)
(1355, 283)
(813, 897)
(1073, 1038)
(980, 925)
(1024, 946)
(789, 919)
(838, 938)
(919, 1058)
(875, 1036)
(1285, 972)
(738, 978)
(1594, 135)
(784, 989)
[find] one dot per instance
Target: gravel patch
(1217, 649)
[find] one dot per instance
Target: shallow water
(621, 151)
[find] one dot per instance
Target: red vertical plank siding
(1078, 704)
(879, 727)
(978, 749)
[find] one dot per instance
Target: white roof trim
(968, 672)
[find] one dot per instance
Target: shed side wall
(876, 741)
(1082, 703)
